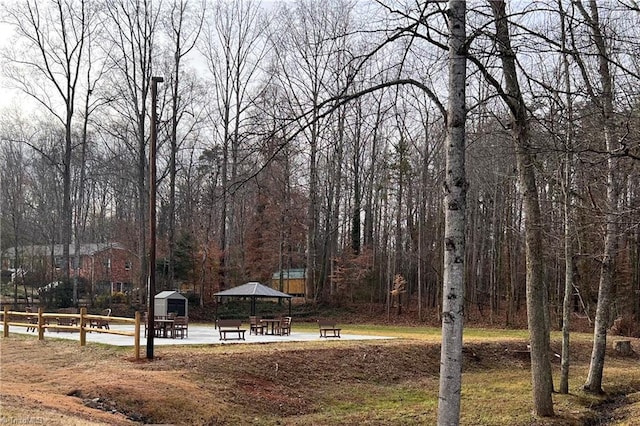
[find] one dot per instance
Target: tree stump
(623, 347)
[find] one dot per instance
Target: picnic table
(164, 326)
(271, 324)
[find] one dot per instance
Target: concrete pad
(199, 334)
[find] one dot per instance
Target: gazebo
(254, 290)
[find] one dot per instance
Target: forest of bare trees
(451, 159)
(305, 134)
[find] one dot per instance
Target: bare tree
(55, 38)
(233, 45)
(13, 203)
(130, 51)
(306, 55)
(604, 101)
(568, 189)
(536, 294)
(184, 26)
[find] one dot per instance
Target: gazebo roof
(253, 289)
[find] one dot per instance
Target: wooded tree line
(310, 134)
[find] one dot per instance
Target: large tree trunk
(605, 102)
(594, 378)
(172, 160)
(312, 217)
(67, 212)
(370, 205)
(538, 327)
(455, 205)
(80, 208)
(537, 323)
(568, 276)
(142, 204)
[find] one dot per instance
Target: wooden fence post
(83, 331)
(40, 325)
(136, 336)
(5, 322)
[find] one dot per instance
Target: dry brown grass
(335, 382)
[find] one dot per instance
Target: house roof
(253, 289)
(88, 249)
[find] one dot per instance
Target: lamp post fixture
(152, 216)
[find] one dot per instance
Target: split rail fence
(49, 320)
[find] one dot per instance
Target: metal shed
(166, 302)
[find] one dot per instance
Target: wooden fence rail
(82, 324)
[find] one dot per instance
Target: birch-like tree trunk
(455, 205)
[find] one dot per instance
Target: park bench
(229, 326)
(327, 327)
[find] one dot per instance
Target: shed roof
(168, 294)
(291, 274)
(253, 289)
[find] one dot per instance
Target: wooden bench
(327, 327)
(230, 326)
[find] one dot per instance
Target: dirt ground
(56, 382)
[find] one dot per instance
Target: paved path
(199, 334)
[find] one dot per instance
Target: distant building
(107, 267)
(293, 281)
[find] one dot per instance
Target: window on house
(107, 263)
(127, 265)
(58, 262)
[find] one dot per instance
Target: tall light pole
(152, 217)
